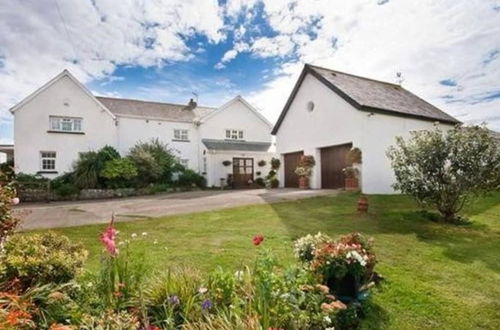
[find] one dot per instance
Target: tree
(447, 169)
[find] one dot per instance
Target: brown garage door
(291, 162)
(332, 162)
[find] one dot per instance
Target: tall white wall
(334, 121)
(31, 123)
(133, 130)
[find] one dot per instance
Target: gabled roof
(239, 98)
(213, 144)
(64, 73)
(154, 110)
(370, 95)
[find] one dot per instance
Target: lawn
(436, 275)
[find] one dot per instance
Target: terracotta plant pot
(363, 204)
(303, 182)
(351, 184)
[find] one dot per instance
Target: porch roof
(213, 144)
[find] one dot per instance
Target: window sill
(177, 140)
(65, 132)
(47, 172)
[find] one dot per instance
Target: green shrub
(64, 185)
(89, 165)
(190, 178)
(119, 172)
(275, 163)
(155, 162)
(41, 259)
(260, 182)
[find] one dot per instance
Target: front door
(242, 171)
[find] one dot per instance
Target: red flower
(257, 239)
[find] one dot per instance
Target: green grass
(437, 275)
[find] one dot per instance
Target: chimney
(191, 105)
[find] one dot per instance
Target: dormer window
(65, 124)
(234, 134)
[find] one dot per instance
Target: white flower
(134, 235)
(327, 319)
(89, 285)
(15, 200)
(155, 242)
(121, 243)
(239, 274)
(202, 290)
(144, 234)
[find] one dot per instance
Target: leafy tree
(446, 169)
(155, 162)
(119, 172)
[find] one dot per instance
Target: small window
(184, 162)
(234, 134)
(47, 160)
(65, 124)
(310, 106)
(181, 134)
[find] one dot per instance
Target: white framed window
(47, 160)
(65, 124)
(234, 134)
(181, 134)
(184, 162)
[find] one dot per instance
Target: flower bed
(263, 295)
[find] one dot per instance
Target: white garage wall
(334, 121)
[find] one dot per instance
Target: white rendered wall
(333, 122)
(133, 130)
(31, 123)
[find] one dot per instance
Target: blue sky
(447, 51)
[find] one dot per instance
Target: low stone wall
(43, 195)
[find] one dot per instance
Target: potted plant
(304, 170)
(351, 178)
(262, 163)
(226, 162)
(353, 156)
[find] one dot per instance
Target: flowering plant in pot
(345, 266)
(351, 178)
(304, 170)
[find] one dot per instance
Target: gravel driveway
(67, 214)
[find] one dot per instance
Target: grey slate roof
(371, 95)
(213, 144)
(149, 109)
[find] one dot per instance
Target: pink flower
(257, 239)
(15, 200)
(108, 239)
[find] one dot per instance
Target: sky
(448, 51)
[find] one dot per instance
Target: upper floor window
(234, 134)
(181, 134)
(47, 160)
(65, 124)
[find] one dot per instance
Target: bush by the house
(119, 172)
(260, 182)
(154, 161)
(64, 185)
(189, 178)
(89, 165)
(41, 259)
(264, 295)
(446, 169)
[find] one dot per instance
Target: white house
(63, 118)
(329, 112)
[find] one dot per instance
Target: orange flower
(323, 288)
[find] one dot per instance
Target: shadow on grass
(396, 215)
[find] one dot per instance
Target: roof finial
(399, 78)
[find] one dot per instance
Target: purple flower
(173, 300)
(207, 304)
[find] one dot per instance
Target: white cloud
(426, 40)
(100, 35)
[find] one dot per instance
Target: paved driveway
(67, 214)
